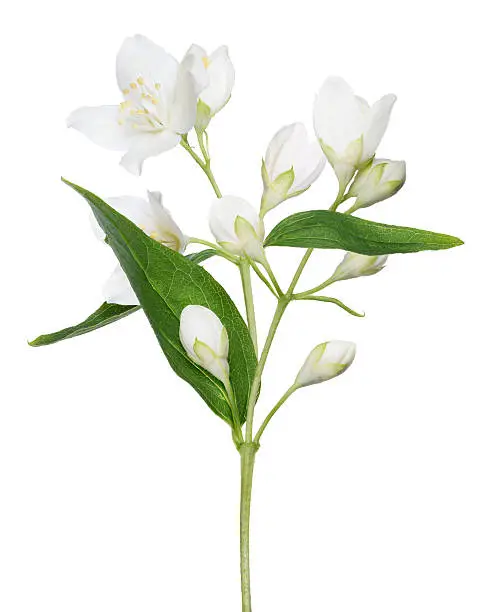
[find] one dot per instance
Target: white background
(119, 488)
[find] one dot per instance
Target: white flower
(205, 340)
(237, 227)
(382, 179)
(348, 128)
(292, 164)
(326, 361)
(354, 266)
(160, 105)
(215, 76)
(156, 221)
(153, 218)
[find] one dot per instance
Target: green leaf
(165, 283)
(323, 229)
(106, 314)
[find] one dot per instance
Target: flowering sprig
(197, 324)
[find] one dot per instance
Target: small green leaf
(106, 314)
(165, 283)
(323, 229)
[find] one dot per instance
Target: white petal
(166, 230)
(183, 111)
(151, 217)
(380, 117)
(278, 158)
(194, 61)
(100, 124)
(223, 215)
(221, 74)
(340, 116)
(97, 230)
(133, 208)
(198, 322)
(314, 162)
(140, 57)
(339, 352)
(148, 145)
(117, 289)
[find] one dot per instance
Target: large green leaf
(165, 283)
(106, 314)
(323, 229)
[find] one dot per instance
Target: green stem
(247, 453)
(281, 308)
(249, 449)
(340, 199)
(204, 165)
(269, 271)
(268, 418)
(237, 428)
(219, 251)
(249, 301)
(305, 294)
(257, 271)
(299, 271)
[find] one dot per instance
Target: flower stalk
(213, 348)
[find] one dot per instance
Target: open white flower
(349, 129)
(153, 218)
(160, 105)
(354, 266)
(379, 181)
(156, 221)
(215, 76)
(292, 164)
(237, 227)
(205, 340)
(325, 362)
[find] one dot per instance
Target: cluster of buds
(205, 340)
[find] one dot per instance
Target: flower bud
(379, 181)
(205, 340)
(326, 361)
(292, 164)
(349, 129)
(237, 227)
(354, 266)
(215, 75)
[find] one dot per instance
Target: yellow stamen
(141, 81)
(206, 61)
(158, 86)
(126, 92)
(133, 85)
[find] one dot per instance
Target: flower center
(143, 108)
(206, 61)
